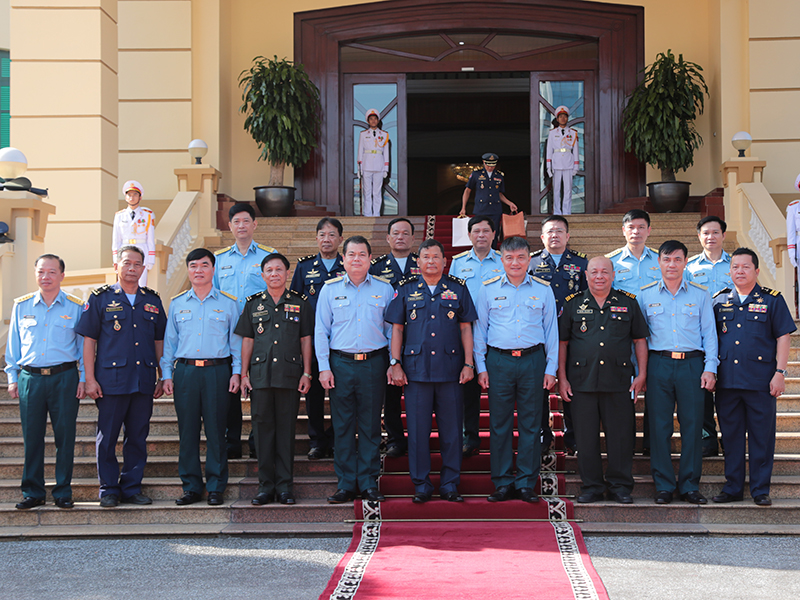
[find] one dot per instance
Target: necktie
(133, 216)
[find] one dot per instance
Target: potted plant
(283, 115)
(659, 125)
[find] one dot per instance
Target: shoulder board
(379, 259)
(724, 291)
(770, 291)
(74, 299)
(793, 202)
(298, 294)
(614, 253)
(456, 279)
(101, 289)
(570, 297)
(628, 294)
(691, 258)
(179, 295)
(408, 279)
(542, 281)
(537, 252)
(152, 291)
(146, 209)
(334, 280)
(492, 280)
(698, 285)
(578, 253)
(25, 297)
(653, 251)
(252, 296)
(382, 279)
(221, 250)
(305, 258)
(125, 209)
(501, 173)
(231, 296)
(461, 254)
(269, 249)
(649, 285)
(498, 253)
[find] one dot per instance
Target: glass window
(372, 95)
(5, 99)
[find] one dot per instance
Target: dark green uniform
(599, 370)
(276, 367)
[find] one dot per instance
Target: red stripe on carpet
(478, 509)
(471, 483)
(479, 462)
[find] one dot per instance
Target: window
(5, 99)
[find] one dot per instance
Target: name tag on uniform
(584, 311)
(114, 306)
(619, 309)
(312, 273)
(466, 270)
(724, 308)
(185, 310)
(226, 267)
(654, 304)
(500, 298)
(340, 298)
(541, 269)
(29, 321)
(624, 271)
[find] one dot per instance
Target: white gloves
(793, 258)
(385, 174)
(550, 172)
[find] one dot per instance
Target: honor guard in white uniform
(135, 226)
(792, 229)
(373, 164)
(563, 161)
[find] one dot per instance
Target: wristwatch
(469, 366)
(393, 362)
(783, 372)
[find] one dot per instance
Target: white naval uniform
(139, 231)
(373, 164)
(563, 162)
(792, 230)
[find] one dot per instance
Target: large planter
(275, 200)
(668, 196)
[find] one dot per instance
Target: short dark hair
(241, 207)
(636, 214)
(275, 256)
(515, 242)
(671, 246)
(430, 243)
(558, 219)
(712, 219)
(397, 220)
(131, 248)
(51, 257)
(748, 252)
(199, 253)
(356, 239)
(479, 219)
(330, 221)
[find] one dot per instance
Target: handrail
(177, 235)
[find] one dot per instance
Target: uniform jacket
(139, 231)
(310, 275)
(373, 150)
(386, 267)
(240, 275)
(565, 279)
(792, 226)
(632, 274)
(487, 190)
(715, 276)
(562, 149)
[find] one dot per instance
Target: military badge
(451, 314)
(415, 271)
(759, 308)
(117, 326)
(260, 328)
(583, 327)
(260, 307)
(67, 317)
(152, 309)
(413, 314)
(114, 306)
(724, 328)
(448, 295)
(312, 291)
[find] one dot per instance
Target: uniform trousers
(615, 411)
(472, 413)
(38, 396)
(393, 417)
(547, 430)
(233, 428)
(274, 412)
(372, 182)
(134, 412)
(710, 440)
(672, 382)
(320, 437)
(356, 402)
(423, 398)
(754, 413)
(562, 179)
(515, 381)
(201, 393)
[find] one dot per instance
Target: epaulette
(537, 252)
(298, 294)
(379, 259)
(542, 281)
(25, 297)
(461, 254)
(770, 291)
(501, 173)
(492, 280)
(100, 290)
(334, 280)
(456, 279)
(379, 278)
(221, 250)
(152, 291)
(649, 285)
(269, 249)
(147, 209)
(498, 253)
(723, 291)
(691, 258)
(794, 202)
(305, 258)
(74, 299)
(699, 285)
(179, 295)
(629, 294)
(578, 253)
(614, 253)
(651, 250)
(408, 279)
(570, 297)
(231, 296)
(256, 295)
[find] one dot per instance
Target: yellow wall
(5, 31)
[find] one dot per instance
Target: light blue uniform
(473, 271)
(715, 276)
(630, 274)
(240, 275)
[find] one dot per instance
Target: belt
(50, 370)
(678, 355)
(522, 352)
(205, 362)
(360, 355)
(563, 149)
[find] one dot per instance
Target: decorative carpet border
(353, 573)
(582, 584)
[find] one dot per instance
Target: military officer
(123, 329)
(711, 268)
(595, 377)
(400, 263)
(44, 363)
(792, 229)
(373, 163)
(516, 356)
(753, 326)
(310, 275)
(351, 340)
(490, 191)
(135, 225)
(201, 365)
(635, 265)
(238, 272)
(475, 266)
(682, 363)
(565, 269)
(563, 161)
(432, 317)
(276, 326)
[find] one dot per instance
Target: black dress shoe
(421, 498)
(694, 497)
(316, 454)
(724, 497)
(341, 496)
(468, 451)
(589, 497)
(30, 502)
(233, 453)
(501, 494)
(262, 499)
(663, 497)
(527, 495)
(214, 498)
(451, 496)
(707, 452)
(109, 501)
(394, 451)
(621, 498)
(139, 499)
(286, 498)
(64, 503)
(569, 450)
(763, 500)
(373, 495)
(188, 498)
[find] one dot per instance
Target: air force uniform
(135, 227)
(488, 187)
(632, 274)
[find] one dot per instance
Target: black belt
(360, 355)
(678, 355)
(50, 370)
(205, 362)
(522, 352)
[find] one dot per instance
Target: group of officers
(693, 332)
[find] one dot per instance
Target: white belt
(563, 149)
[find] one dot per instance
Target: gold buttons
(433, 334)
(137, 362)
(433, 351)
(602, 344)
(736, 362)
(602, 362)
(274, 360)
(257, 359)
(113, 364)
